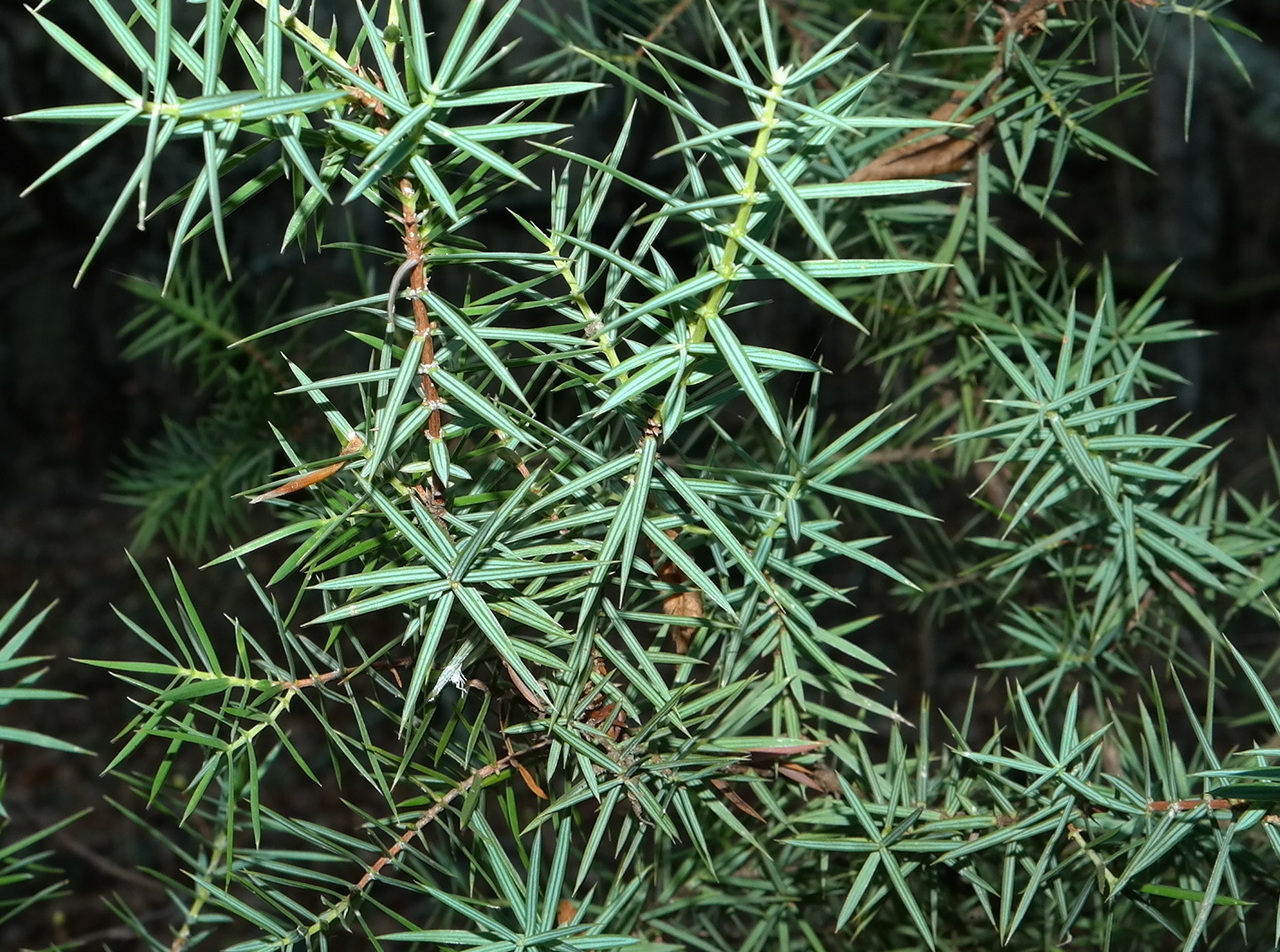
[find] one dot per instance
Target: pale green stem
(183, 935)
(313, 39)
(727, 264)
(280, 707)
(575, 292)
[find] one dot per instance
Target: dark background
(69, 404)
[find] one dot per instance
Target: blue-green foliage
(576, 571)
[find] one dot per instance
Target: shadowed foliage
(626, 387)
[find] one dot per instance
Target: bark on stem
(422, 327)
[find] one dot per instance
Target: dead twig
(428, 815)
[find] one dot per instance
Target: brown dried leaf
(609, 719)
(732, 796)
(686, 603)
(354, 445)
(525, 692)
(530, 782)
(923, 152)
(801, 775)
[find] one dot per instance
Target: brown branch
(398, 847)
(676, 12)
(434, 494)
(342, 674)
(394, 291)
(1174, 806)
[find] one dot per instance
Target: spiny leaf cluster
(570, 607)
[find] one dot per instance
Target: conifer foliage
(578, 540)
